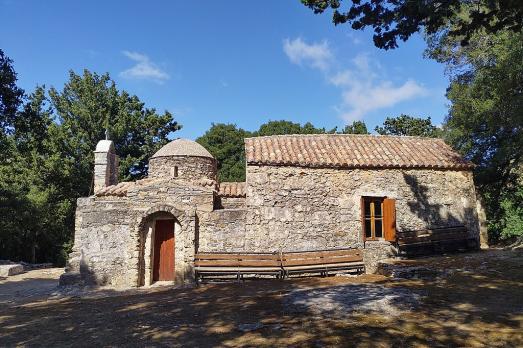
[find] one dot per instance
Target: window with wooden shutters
(378, 218)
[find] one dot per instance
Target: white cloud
(143, 69)
(362, 97)
(363, 84)
(316, 55)
(364, 89)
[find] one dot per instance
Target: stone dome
(183, 147)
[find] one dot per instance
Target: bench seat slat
(319, 261)
(238, 263)
(313, 254)
(434, 239)
(210, 256)
(325, 266)
(203, 269)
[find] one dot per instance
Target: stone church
(302, 192)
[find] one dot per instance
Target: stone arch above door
(184, 242)
(160, 208)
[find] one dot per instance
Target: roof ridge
(345, 135)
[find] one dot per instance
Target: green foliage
(288, 127)
(485, 121)
(226, 143)
(399, 19)
(408, 125)
(50, 142)
(512, 217)
(357, 127)
(10, 99)
(90, 104)
(35, 217)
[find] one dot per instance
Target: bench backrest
(306, 258)
(433, 235)
(237, 260)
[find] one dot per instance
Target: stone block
(71, 278)
(10, 270)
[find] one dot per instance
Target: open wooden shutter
(389, 219)
(362, 209)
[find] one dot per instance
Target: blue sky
(242, 62)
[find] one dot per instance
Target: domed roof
(183, 147)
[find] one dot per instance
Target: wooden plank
(362, 215)
(216, 256)
(211, 256)
(432, 231)
(336, 266)
(259, 257)
(238, 263)
(434, 237)
(259, 263)
(217, 263)
(320, 261)
(353, 258)
(324, 253)
(389, 219)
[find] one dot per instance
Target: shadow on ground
(478, 303)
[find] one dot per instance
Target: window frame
(372, 217)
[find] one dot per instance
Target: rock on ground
(343, 300)
(11, 269)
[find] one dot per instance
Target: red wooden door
(163, 250)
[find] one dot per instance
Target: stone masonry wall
(230, 202)
(286, 208)
(223, 230)
(190, 169)
(111, 231)
(295, 208)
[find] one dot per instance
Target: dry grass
(479, 303)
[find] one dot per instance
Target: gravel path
(32, 285)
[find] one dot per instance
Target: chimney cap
(105, 146)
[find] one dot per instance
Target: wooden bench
(237, 264)
(322, 261)
(435, 240)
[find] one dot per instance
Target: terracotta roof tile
(352, 151)
(232, 189)
(121, 188)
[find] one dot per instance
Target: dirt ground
(469, 300)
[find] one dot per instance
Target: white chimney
(105, 165)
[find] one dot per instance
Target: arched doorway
(163, 250)
(160, 248)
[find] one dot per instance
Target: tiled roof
(353, 151)
(232, 189)
(121, 188)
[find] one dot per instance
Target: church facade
(302, 192)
